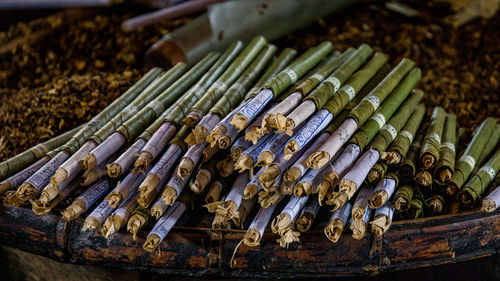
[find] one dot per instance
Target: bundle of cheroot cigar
(265, 139)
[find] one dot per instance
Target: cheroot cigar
(308, 214)
(139, 218)
(382, 219)
(244, 209)
(446, 164)
(361, 202)
(124, 188)
(467, 162)
(408, 166)
(228, 209)
(120, 216)
(492, 201)
(472, 191)
(256, 229)
(384, 190)
(337, 222)
(83, 202)
(429, 154)
(403, 197)
(97, 217)
(360, 227)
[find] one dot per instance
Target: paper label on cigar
(94, 193)
(334, 81)
(389, 128)
(177, 183)
(449, 145)
(436, 137)
(407, 134)
(469, 160)
(240, 88)
(42, 176)
(290, 73)
(318, 77)
(102, 211)
(219, 86)
(343, 213)
(312, 208)
(168, 220)
(317, 123)
(167, 161)
(256, 104)
(349, 90)
(489, 170)
(374, 101)
(379, 118)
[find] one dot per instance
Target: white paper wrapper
(168, 220)
(127, 207)
(164, 167)
(362, 198)
(40, 179)
(160, 138)
(195, 152)
(254, 151)
(312, 206)
(301, 162)
(256, 104)
(159, 203)
(127, 159)
(71, 165)
(177, 183)
(388, 185)
(236, 192)
(386, 211)
(101, 212)
(276, 141)
(294, 206)
(261, 220)
(209, 121)
(94, 193)
(339, 137)
(358, 173)
(108, 147)
(494, 196)
(315, 124)
(342, 164)
(342, 214)
(301, 113)
(286, 105)
(130, 183)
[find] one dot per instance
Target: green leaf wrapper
(286, 56)
(332, 83)
(370, 103)
(448, 146)
(298, 68)
(403, 140)
(135, 125)
(432, 140)
(368, 131)
(466, 163)
(408, 166)
(355, 83)
(390, 130)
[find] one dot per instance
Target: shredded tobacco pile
(79, 64)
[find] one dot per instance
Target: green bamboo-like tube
(216, 91)
(467, 162)
(399, 148)
(408, 167)
(151, 92)
(29, 156)
(403, 197)
(371, 102)
(110, 111)
(286, 56)
(390, 130)
(335, 124)
(368, 131)
(298, 68)
(207, 81)
(488, 148)
(132, 127)
(416, 209)
(472, 191)
(446, 164)
(319, 73)
(355, 83)
(429, 154)
(332, 83)
(235, 94)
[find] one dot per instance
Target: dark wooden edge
(203, 252)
